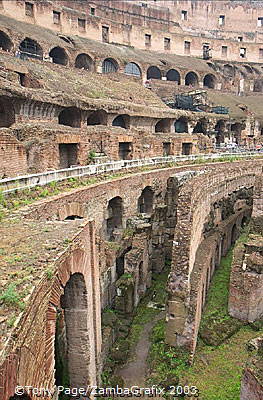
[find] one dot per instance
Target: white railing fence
(8, 185)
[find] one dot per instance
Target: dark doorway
(83, 61)
(234, 234)
(163, 126)
(191, 79)
(166, 149)
(173, 75)
(201, 127)
(7, 114)
(114, 220)
(97, 118)
(187, 149)
(59, 56)
(210, 81)
(123, 121)
(181, 125)
(145, 201)
(153, 73)
(125, 150)
(70, 116)
(68, 154)
(5, 42)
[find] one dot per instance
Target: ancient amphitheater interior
(131, 199)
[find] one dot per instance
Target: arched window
(83, 61)
(30, 48)
(191, 79)
(153, 73)
(109, 65)
(97, 118)
(114, 220)
(145, 201)
(173, 75)
(5, 42)
(7, 113)
(181, 125)
(123, 121)
(164, 126)
(70, 116)
(210, 81)
(133, 69)
(59, 56)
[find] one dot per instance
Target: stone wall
(12, 154)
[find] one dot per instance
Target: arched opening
(248, 69)
(210, 81)
(163, 126)
(145, 201)
(220, 132)
(133, 69)
(191, 79)
(5, 42)
(173, 75)
(83, 61)
(59, 56)
(114, 220)
(229, 70)
(109, 66)
(123, 121)
(30, 48)
(181, 125)
(234, 234)
(153, 73)
(7, 113)
(97, 118)
(70, 116)
(201, 126)
(72, 217)
(75, 306)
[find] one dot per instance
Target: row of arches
(191, 78)
(31, 48)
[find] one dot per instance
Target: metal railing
(8, 185)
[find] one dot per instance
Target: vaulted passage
(74, 304)
(164, 126)
(191, 79)
(153, 73)
(83, 61)
(133, 69)
(145, 201)
(181, 125)
(70, 116)
(97, 118)
(123, 121)
(201, 126)
(5, 42)
(173, 75)
(114, 220)
(210, 81)
(109, 65)
(59, 56)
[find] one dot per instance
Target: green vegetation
(91, 157)
(10, 297)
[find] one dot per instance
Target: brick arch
(59, 55)
(5, 42)
(75, 278)
(84, 61)
(31, 48)
(191, 78)
(71, 209)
